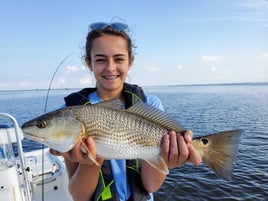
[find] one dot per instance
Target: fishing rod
(53, 76)
(45, 110)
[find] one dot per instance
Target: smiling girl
(109, 56)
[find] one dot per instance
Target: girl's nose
(111, 65)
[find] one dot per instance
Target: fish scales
(129, 136)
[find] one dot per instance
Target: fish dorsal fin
(155, 115)
(115, 104)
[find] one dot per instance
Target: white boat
(31, 176)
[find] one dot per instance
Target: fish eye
(41, 124)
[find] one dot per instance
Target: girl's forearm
(83, 182)
(152, 178)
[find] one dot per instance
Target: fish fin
(85, 150)
(220, 150)
(158, 163)
(155, 115)
(93, 160)
(115, 104)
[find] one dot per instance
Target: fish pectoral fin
(90, 157)
(158, 163)
(85, 150)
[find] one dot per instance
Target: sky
(177, 42)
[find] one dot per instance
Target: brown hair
(92, 35)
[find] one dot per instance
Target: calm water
(203, 109)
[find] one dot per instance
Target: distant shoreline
(214, 84)
(153, 86)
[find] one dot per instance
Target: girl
(109, 56)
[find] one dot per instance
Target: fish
(133, 133)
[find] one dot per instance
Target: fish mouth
(32, 137)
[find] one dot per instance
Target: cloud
(73, 68)
(211, 58)
(86, 80)
(84, 68)
(250, 11)
(260, 76)
(256, 11)
(24, 84)
(213, 69)
(264, 55)
(262, 4)
(152, 69)
(61, 81)
(180, 67)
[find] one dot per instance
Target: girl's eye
(100, 60)
(119, 60)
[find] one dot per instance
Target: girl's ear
(131, 60)
(88, 62)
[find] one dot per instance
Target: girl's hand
(84, 152)
(177, 149)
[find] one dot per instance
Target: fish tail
(219, 152)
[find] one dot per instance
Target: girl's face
(110, 63)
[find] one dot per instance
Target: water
(203, 109)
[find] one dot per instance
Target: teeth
(110, 77)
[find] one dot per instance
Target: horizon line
(145, 86)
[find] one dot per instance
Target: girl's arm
(81, 170)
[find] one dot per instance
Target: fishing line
(180, 181)
(45, 110)
(198, 188)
